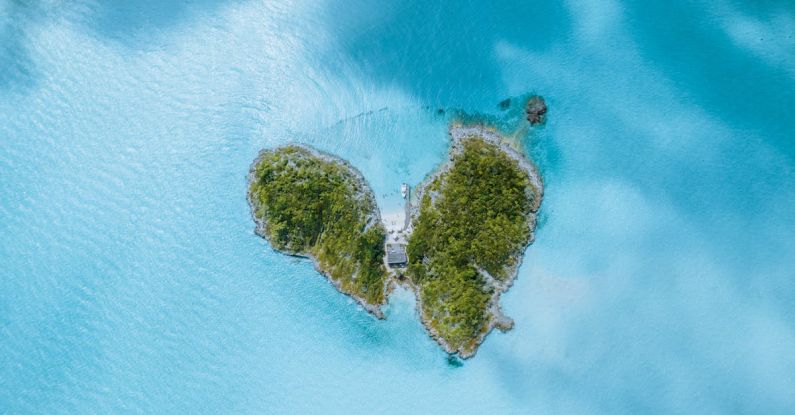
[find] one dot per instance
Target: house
(396, 255)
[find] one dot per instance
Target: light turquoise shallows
(662, 279)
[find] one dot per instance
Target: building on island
(396, 255)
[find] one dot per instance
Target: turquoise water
(661, 280)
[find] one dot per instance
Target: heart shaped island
(468, 226)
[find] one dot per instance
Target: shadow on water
(132, 23)
(16, 68)
(136, 22)
(703, 60)
(441, 52)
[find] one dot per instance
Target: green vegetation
(473, 224)
(315, 205)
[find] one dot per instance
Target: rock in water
(536, 108)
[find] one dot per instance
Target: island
(470, 225)
(536, 110)
(459, 248)
(312, 204)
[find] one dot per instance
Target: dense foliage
(318, 207)
(472, 226)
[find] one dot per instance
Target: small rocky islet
(469, 223)
(536, 110)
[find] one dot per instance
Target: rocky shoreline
(497, 319)
(458, 133)
(373, 217)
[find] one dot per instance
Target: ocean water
(662, 279)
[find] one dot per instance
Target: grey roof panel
(396, 254)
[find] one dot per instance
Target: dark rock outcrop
(536, 110)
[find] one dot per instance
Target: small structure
(396, 255)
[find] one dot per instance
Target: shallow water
(661, 279)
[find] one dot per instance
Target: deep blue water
(662, 279)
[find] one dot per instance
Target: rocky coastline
(458, 133)
(364, 193)
(496, 319)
